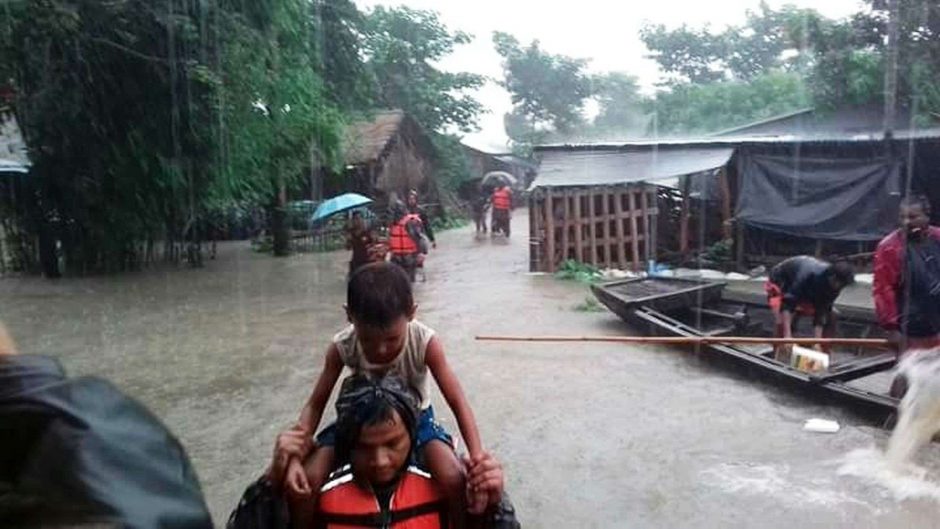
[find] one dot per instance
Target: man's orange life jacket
(399, 241)
(417, 503)
(502, 198)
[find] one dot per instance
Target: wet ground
(590, 435)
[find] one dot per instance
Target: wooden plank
(621, 239)
(726, 229)
(535, 239)
(684, 220)
(549, 232)
(654, 225)
(605, 228)
(634, 232)
(644, 203)
(578, 223)
(592, 228)
(566, 227)
(860, 368)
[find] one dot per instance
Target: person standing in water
(359, 238)
(415, 209)
(906, 284)
(502, 209)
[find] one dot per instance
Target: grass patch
(589, 305)
(571, 270)
(450, 223)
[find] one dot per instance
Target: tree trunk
(281, 242)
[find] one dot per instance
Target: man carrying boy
(384, 338)
(376, 428)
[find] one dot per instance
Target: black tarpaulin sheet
(75, 450)
(822, 198)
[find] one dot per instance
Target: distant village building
(384, 157)
(824, 183)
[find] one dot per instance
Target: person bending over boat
(906, 284)
(806, 286)
(377, 428)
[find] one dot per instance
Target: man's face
(914, 220)
(381, 345)
(381, 452)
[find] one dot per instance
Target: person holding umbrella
(502, 207)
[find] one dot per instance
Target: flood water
(593, 435)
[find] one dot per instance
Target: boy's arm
(453, 394)
(313, 410)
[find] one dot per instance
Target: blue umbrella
(339, 204)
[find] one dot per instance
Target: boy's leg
(447, 471)
(317, 467)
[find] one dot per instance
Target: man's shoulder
(892, 241)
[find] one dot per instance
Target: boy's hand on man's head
(296, 484)
(291, 448)
(484, 482)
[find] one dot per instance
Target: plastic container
(809, 360)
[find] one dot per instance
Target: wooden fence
(603, 226)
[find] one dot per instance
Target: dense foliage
(148, 119)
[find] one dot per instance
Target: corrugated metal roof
(734, 141)
(562, 168)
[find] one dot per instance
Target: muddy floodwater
(594, 435)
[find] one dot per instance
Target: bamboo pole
(691, 340)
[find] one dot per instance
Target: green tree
(402, 46)
(704, 108)
(621, 107)
(276, 115)
(112, 97)
(548, 91)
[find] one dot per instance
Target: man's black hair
(378, 294)
(917, 200)
(843, 271)
(364, 401)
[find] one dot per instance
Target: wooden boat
(688, 307)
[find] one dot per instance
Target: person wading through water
(906, 285)
(405, 242)
(359, 238)
(415, 209)
(805, 286)
(501, 201)
(378, 484)
(384, 337)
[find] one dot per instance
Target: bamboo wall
(608, 227)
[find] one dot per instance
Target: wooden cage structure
(604, 226)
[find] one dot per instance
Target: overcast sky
(604, 31)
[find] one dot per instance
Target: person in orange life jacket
(502, 207)
(804, 285)
(405, 242)
(384, 337)
(415, 209)
(376, 429)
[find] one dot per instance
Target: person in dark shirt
(359, 238)
(806, 286)
(416, 209)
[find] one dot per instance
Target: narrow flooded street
(594, 435)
